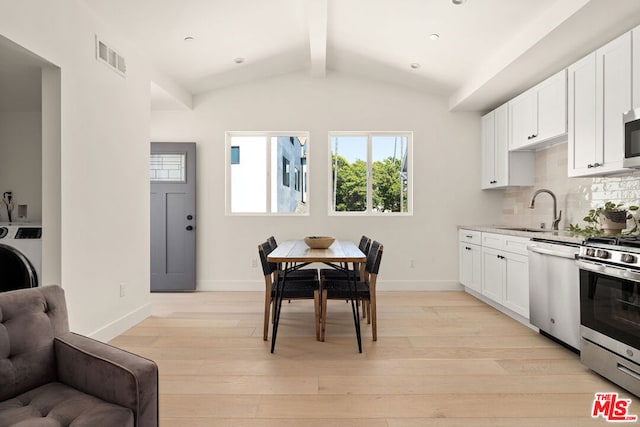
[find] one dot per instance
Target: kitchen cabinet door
(552, 107)
(488, 151)
(582, 116)
(493, 274)
(523, 113)
(599, 93)
(635, 67)
(471, 266)
(539, 116)
(613, 99)
(500, 167)
(516, 286)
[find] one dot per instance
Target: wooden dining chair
(342, 289)
(331, 273)
(297, 286)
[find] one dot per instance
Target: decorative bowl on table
(319, 242)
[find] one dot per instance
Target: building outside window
(235, 155)
(370, 173)
(286, 174)
(261, 183)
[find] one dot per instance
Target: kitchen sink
(530, 230)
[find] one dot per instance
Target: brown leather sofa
(52, 377)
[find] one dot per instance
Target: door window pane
(168, 168)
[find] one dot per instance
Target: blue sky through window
(355, 147)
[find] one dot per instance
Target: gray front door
(173, 223)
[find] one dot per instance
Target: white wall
(446, 175)
(104, 200)
(21, 162)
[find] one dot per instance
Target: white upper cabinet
(635, 66)
(599, 93)
(539, 115)
(501, 168)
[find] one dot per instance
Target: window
(285, 172)
(296, 179)
(370, 172)
(235, 155)
(261, 184)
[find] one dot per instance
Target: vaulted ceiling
(487, 50)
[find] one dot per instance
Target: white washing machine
(20, 255)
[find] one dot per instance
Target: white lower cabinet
(493, 274)
(470, 266)
(502, 263)
(470, 258)
(516, 284)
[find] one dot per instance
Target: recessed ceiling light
(238, 60)
(415, 65)
(434, 36)
(189, 39)
(458, 1)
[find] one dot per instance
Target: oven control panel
(615, 256)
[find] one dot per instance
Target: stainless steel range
(610, 308)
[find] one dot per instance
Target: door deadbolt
(189, 227)
(189, 217)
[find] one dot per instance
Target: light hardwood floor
(442, 359)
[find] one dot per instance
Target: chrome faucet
(556, 217)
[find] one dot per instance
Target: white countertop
(555, 235)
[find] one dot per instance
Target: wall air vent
(110, 57)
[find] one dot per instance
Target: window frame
(370, 135)
(229, 135)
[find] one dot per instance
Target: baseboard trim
(118, 326)
(383, 285)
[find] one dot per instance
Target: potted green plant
(608, 219)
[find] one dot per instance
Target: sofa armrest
(112, 374)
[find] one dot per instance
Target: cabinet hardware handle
(467, 248)
(500, 256)
(534, 136)
(492, 182)
(469, 236)
(529, 137)
(589, 166)
(595, 165)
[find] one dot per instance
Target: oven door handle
(621, 273)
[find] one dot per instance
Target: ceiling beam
(317, 24)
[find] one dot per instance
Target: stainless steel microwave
(631, 121)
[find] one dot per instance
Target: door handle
(189, 227)
(189, 217)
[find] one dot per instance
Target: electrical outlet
(122, 289)
(254, 263)
(412, 263)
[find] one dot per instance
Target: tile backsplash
(575, 195)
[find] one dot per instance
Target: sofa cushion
(55, 404)
(29, 320)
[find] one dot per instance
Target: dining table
(342, 255)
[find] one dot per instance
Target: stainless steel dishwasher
(554, 290)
